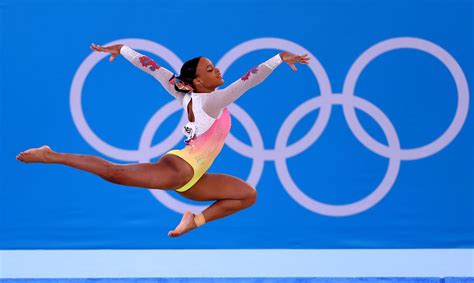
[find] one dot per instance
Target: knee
(250, 198)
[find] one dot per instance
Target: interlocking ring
(146, 151)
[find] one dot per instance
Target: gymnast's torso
(209, 120)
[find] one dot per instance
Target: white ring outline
(345, 209)
(439, 53)
(327, 98)
(324, 86)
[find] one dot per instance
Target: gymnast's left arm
(215, 103)
(143, 63)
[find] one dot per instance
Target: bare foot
(187, 224)
(36, 155)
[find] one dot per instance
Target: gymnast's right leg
(169, 173)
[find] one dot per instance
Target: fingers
(95, 47)
(293, 67)
(98, 48)
(303, 59)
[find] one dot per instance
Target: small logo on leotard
(189, 130)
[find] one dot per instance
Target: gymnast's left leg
(169, 173)
(231, 194)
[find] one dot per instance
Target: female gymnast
(208, 124)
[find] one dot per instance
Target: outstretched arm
(144, 63)
(215, 103)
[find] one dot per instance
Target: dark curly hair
(188, 72)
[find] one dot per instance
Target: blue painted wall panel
(412, 94)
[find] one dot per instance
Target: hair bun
(180, 85)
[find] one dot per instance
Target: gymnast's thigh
(212, 186)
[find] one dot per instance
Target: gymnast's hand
(114, 50)
(291, 59)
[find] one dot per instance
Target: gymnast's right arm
(145, 64)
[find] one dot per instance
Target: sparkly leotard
(206, 134)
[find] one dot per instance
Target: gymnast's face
(208, 77)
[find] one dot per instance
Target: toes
(22, 156)
(174, 233)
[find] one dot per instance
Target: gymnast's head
(198, 75)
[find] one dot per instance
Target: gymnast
(183, 170)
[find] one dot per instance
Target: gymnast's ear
(197, 81)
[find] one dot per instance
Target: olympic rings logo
(256, 151)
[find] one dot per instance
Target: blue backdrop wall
(370, 146)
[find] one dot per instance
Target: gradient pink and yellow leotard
(202, 150)
(207, 133)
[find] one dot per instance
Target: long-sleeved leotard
(207, 133)
(215, 101)
(149, 66)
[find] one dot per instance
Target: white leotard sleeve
(146, 64)
(219, 99)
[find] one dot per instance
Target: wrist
(124, 49)
(273, 62)
(118, 47)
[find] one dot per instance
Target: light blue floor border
(236, 263)
(247, 280)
